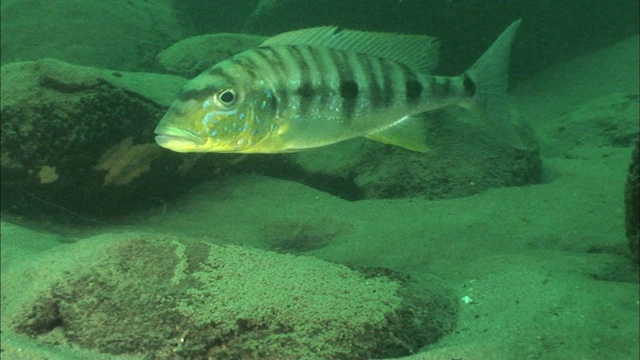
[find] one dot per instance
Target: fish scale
(314, 87)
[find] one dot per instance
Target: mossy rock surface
(196, 54)
(184, 299)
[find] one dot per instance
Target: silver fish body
(315, 87)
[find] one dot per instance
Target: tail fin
(490, 76)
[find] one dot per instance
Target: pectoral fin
(409, 133)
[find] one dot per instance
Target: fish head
(221, 110)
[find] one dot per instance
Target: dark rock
(464, 159)
(79, 141)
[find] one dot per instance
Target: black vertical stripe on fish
(387, 83)
(312, 64)
(295, 71)
(286, 69)
(319, 73)
(469, 85)
(219, 72)
(337, 61)
(197, 94)
(349, 94)
(398, 81)
(333, 72)
(296, 54)
(413, 91)
(345, 87)
(413, 88)
(247, 63)
(293, 65)
(263, 60)
(305, 91)
(374, 89)
(365, 81)
(308, 91)
(348, 89)
(321, 65)
(279, 62)
(248, 66)
(307, 94)
(361, 79)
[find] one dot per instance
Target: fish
(314, 87)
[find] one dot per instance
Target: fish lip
(170, 134)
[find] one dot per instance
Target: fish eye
(226, 97)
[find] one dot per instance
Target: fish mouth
(178, 139)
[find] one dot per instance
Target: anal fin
(409, 133)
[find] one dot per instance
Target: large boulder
(465, 158)
(79, 141)
(170, 298)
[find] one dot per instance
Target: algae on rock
(188, 299)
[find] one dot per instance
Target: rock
(79, 140)
(631, 203)
(160, 297)
(120, 34)
(194, 55)
(464, 159)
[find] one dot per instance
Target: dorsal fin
(419, 52)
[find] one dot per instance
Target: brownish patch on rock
(126, 161)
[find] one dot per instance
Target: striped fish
(314, 87)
